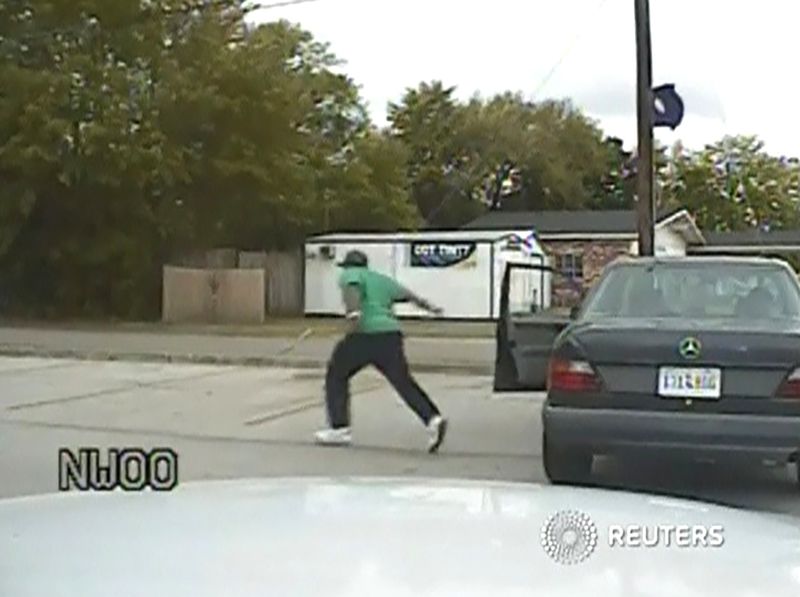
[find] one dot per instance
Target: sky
(730, 60)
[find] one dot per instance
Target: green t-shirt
(378, 295)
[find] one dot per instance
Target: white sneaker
(437, 429)
(340, 436)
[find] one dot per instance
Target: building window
(570, 265)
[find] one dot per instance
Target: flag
(527, 243)
(667, 106)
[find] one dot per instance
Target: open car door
(526, 327)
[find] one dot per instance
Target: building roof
(612, 221)
(548, 225)
(424, 235)
(753, 238)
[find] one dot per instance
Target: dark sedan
(693, 356)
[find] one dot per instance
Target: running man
(374, 338)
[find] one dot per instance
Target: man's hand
(407, 296)
(352, 307)
(351, 325)
(429, 307)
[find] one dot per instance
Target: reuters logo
(569, 537)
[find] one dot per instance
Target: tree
(618, 185)
(134, 130)
(368, 189)
(463, 155)
(79, 146)
(735, 184)
(558, 152)
(243, 112)
(427, 121)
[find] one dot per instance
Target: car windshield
(697, 290)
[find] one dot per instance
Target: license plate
(682, 382)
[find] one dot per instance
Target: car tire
(565, 465)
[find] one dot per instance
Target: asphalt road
(230, 422)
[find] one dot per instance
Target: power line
(450, 195)
(566, 52)
(561, 58)
(256, 7)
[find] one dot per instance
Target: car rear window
(704, 290)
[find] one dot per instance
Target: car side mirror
(573, 312)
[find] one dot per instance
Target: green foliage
(457, 148)
(735, 185)
(374, 168)
(430, 124)
(131, 131)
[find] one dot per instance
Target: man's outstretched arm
(405, 295)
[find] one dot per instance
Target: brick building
(581, 243)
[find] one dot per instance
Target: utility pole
(645, 207)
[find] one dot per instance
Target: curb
(264, 331)
(206, 359)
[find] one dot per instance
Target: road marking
(284, 412)
(481, 385)
(31, 367)
(302, 405)
(135, 385)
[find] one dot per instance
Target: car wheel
(565, 465)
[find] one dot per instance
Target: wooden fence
(284, 289)
(285, 279)
(213, 295)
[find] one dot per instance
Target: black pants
(385, 352)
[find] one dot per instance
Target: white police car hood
(386, 538)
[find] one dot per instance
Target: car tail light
(790, 388)
(572, 376)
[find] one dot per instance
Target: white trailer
(461, 271)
